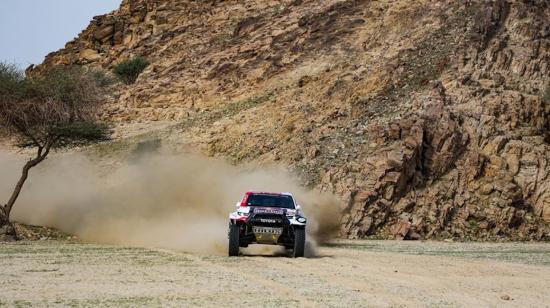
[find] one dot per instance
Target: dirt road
(345, 274)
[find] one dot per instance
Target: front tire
(234, 235)
(299, 243)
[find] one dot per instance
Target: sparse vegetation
(514, 252)
(55, 109)
(227, 111)
(128, 71)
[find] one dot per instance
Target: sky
(30, 29)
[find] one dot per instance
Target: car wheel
(234, 231)
(299, 243)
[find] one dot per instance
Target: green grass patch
(128, 71)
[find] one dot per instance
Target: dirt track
(346, 274)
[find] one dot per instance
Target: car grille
(267, 220)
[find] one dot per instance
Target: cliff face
(426, 117)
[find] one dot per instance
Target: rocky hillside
(426, 117)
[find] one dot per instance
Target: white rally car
(267, 218)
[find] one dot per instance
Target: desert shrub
(58, 106)
(12, 81)
(128, 71)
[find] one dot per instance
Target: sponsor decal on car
(268, 211)
(268, 221)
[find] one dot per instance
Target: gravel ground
(344, 274)
(527, 253)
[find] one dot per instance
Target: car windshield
(282, 201)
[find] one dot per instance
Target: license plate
(268, 230)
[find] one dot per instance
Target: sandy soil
(344, 274)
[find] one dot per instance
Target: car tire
(234, 235)
(299, 243)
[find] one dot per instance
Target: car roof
(268, 193)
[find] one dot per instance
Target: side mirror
(238, 205)
(298, 207)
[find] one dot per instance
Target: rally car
(267, 218)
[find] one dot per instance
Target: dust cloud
(177, 202)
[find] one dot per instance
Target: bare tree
(56, 109)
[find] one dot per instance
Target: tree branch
(41, 155)
(27, 134)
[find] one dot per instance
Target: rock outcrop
(426, 117)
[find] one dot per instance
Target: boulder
(90, 55)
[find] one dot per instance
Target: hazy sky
(30, 29)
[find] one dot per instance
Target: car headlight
(301, 219)
(244, 211)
